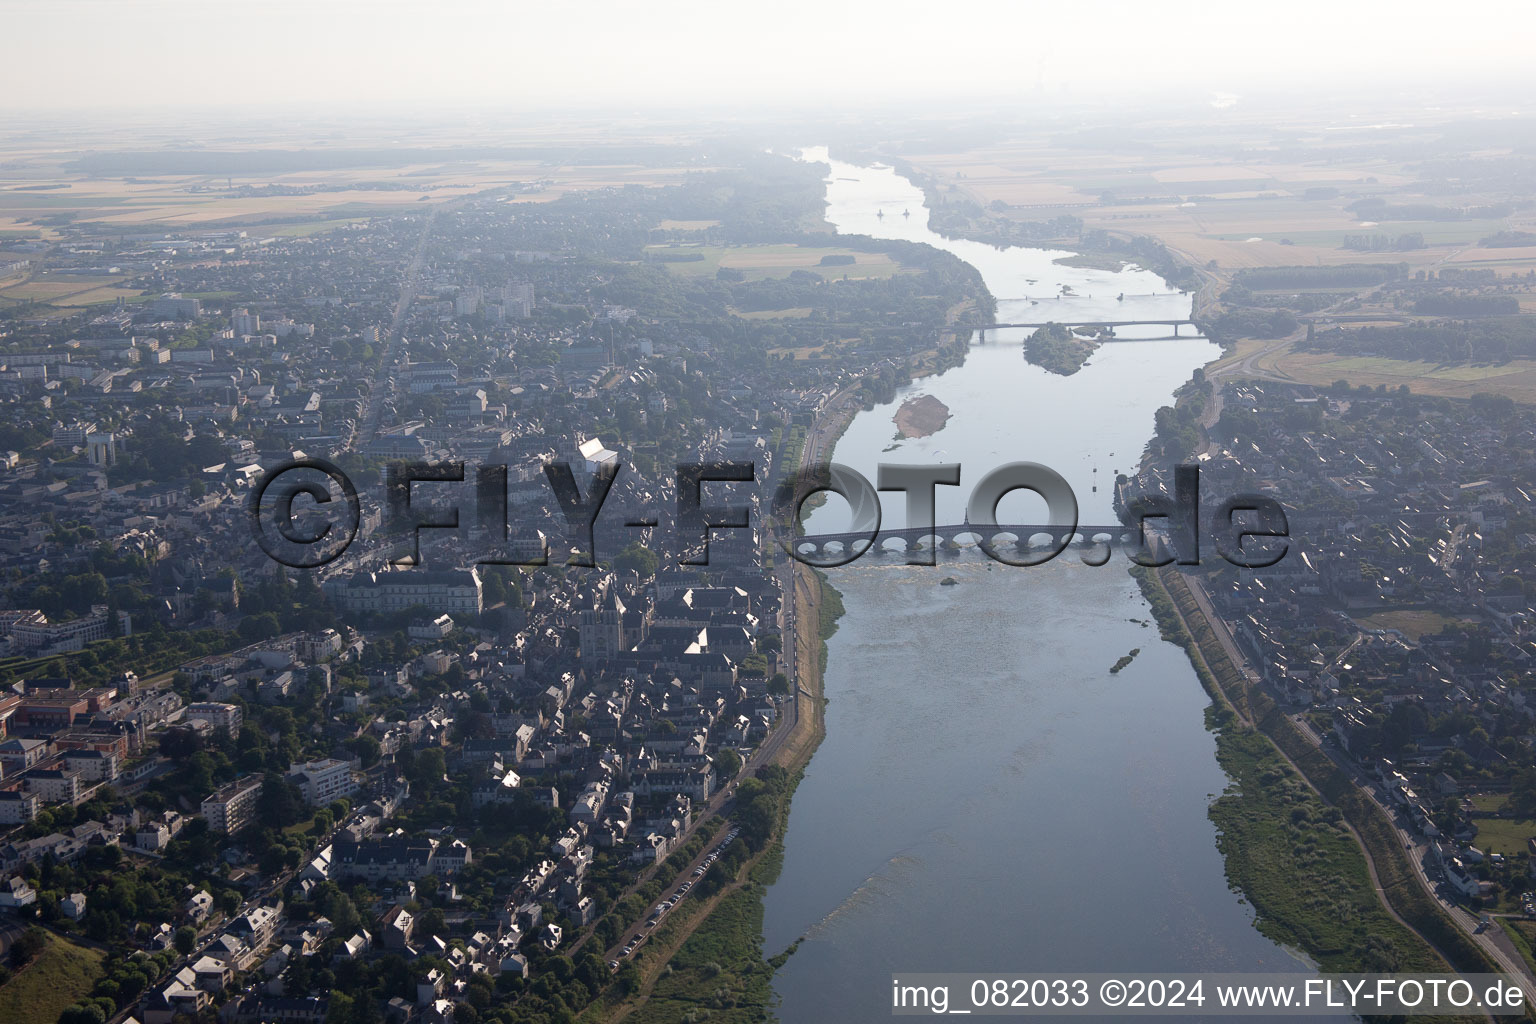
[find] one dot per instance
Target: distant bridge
(988, 538)
(1111, 324)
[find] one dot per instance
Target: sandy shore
(921, 415)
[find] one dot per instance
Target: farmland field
(338, 196)
(64, 290)
(1516, 378)
(687, 225)
(773, 314)
(1417, 368)
(763, 261)
(96, 296)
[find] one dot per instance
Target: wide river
(989, 797)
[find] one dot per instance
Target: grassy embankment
(62, 975)
(717, 973)
(1283, 835)
(1522, 934)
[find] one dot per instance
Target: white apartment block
(232, 807)
(323, 781)
(54, 785)
(224, 717)
(16, 807)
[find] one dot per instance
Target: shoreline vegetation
(1124, 661)
(1317, 858)
(1059, 349)
(1096, 261)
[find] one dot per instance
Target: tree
(340, 1008)
(779, 684)
(27, 946)
(434, 922)
(637, 559)
(279, 804)
(186, 939)
(260, 627)
(431, 765)
(499, 583)
(180, 743)
(1522, 797)
(367, 748)
(341, 911)
(727, 763)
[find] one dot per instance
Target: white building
(16, 807)
(454, 591)
(243, 322)
(73, 906)
(16, 893)
(34, 634)
(224, 717)
(232, 807)
(101, 449)
(323, 781)
(54, 785)
(431, 629)
(93, 765)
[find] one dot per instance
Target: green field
(315, 227)
(1521, 933)
(62, 975)
(757, 262)
(1300, 867)
(98, 296)
(1504, 835)
(68, 292)
(1411, 623)
(774, 314)
(1418, 368)
(46, 289)
(719, 968)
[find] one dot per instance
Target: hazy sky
(346, 53)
